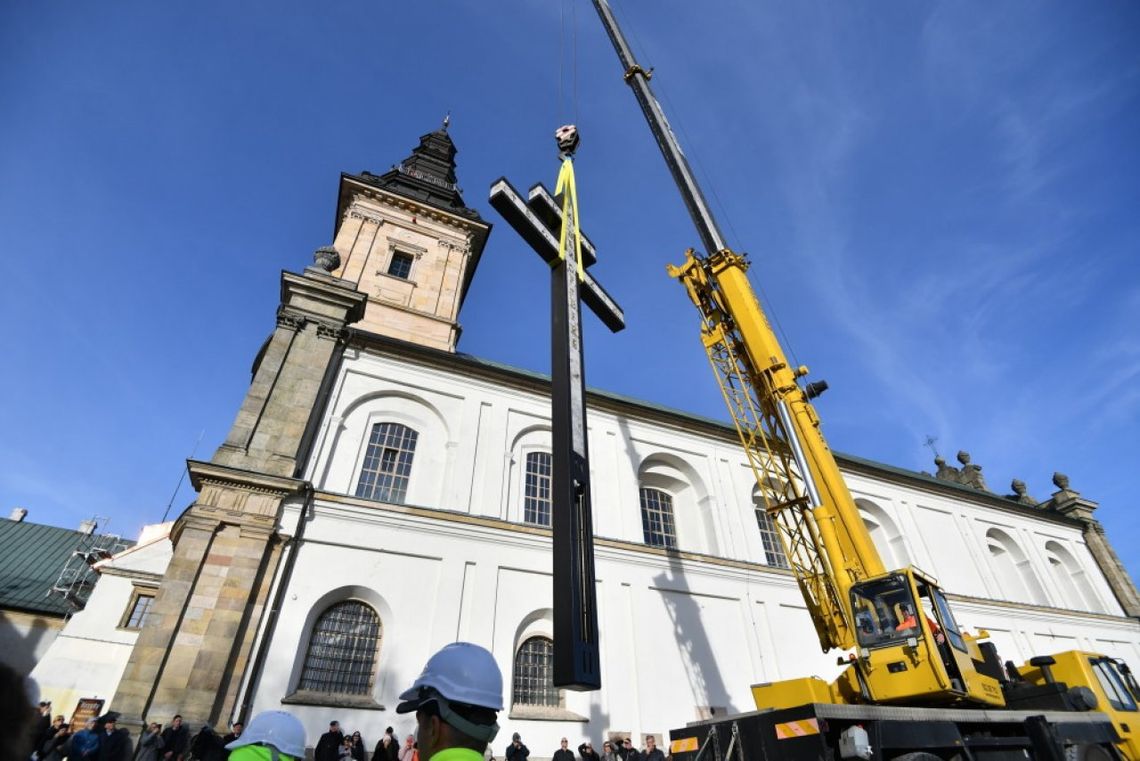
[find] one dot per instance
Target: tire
(1089, 752)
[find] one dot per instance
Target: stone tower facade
(408, 241)
(408, 248)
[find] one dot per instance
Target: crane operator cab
(909, 647)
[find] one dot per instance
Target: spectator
(344, 752)
(42, 728)
(54, 748)
(235, 731)
(207, 746)
(408, 750)
(456, 698)
(563, 753)
(330, 743)
(271, 736)
(517, 751)
(175, 740)
(652, 752)
(608, 753)
(150, 744)
(358, 747)
(587, 752)
(114, 743)
(630, 748)
(388, 748)
(84, 744)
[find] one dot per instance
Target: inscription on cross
(540, 221)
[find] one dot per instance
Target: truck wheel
(921, 756)
(1088, 752)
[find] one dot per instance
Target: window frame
(319, 694)
(138, 593)
(548, 477)
(400, 256)
(774, 556)
(669, 538)
(549, 690)
(373, 491)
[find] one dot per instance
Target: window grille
(534, 674)
(657, 518)
(140, 611)
(387, 463)
(773, 550)
(342, 650)
(536, 497)
(401, 265)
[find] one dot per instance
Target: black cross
(539, 221)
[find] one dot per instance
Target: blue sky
(940, 201)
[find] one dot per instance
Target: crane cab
(909, 647)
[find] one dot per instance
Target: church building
(381, 494)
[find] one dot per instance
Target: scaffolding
(77, 578)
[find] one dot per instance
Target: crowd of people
(456, 701)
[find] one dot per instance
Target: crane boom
(795, 470)
(908, 645)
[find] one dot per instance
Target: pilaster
(191, 655)
(1072, 504)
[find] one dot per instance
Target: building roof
(427, 176)
(31, 558)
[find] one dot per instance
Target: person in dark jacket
(328, 747)
(235, 733)
(388, 748)
(587, 752)
(652, 752)
(53, 748)
(358, 752)
(627, 749)
(564, 753)
(114, 743)
(516, 751)
(175, 740)
(207, 745)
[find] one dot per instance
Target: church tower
(407, 240)
(406, 248)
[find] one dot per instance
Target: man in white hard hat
(271, 736)
(456, 699)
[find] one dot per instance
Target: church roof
(31, 558)
(427, 175)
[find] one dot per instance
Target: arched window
(534, 674)
(1015, 576)
(657, 518)
(343, 649)
(1070, 579)
(536, 494)
(773, 550)
(387, 463)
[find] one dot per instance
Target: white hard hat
(277, 728)
(461, 672)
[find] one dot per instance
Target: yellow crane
(917, 679)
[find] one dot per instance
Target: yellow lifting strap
(569, 212)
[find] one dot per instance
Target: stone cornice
(202, 473)
(402, 202)
(321, 297)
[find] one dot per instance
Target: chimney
(18, 514)
(88, 526)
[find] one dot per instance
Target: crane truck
(914, 685)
